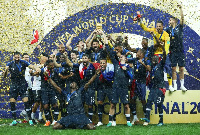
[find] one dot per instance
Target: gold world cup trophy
(99, 26)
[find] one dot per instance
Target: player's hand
(73, 35)
(71, 74)
(162, 43)
(53, 56)
(108, 37)
(65, 54)
(126, 37)
(61, 76)
(38, 70)
(95, 31)
(86, 86)
(124, 67)
(46, 74)
(152, 33)
(55, 52)
(98, 71)
(179, 6)
(140, 61)
(101, 32)
(38, 47)
(30, 71)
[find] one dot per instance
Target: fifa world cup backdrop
(118, 18)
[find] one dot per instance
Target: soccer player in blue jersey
(104, 85)
(141, 66)
(48, 94)
(157, 90)
(176, 48)
(83, 73)
(18, 85)
(64, 73)
(120, 83)
(76, 117)
(79, 47)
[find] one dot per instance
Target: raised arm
(92, 79)
(5, 73)
(181, 13)
(145, 28)
(90, 38)
(55, 85)
(55, 63)
(69, 42)
(148, 67)
(69, 62)
(66, 76)
(111, 39)
(157, 44)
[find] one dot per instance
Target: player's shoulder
(10, 63)
(165, 33)
(24, 62)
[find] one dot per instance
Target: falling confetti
(57, 20)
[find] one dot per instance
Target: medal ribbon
(19, 66)
(69, 96)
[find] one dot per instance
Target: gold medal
(66, 103)
(152, 77)
(136, 70)
(173, 37)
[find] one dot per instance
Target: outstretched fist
(137, 18)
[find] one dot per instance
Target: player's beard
(85, 64)
(16, 61)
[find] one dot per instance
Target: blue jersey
(105, 79)
(140, 71)
(63, 71)
(45, 85)
(176, 38)
(149, 52)
(95, 56)
(74, 102)
(17, 70)
(121, 77)
(157, 75)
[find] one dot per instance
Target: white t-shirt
(28, 77)
(36, 82)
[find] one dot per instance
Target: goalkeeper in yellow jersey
(161, 36)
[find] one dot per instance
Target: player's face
(26, 58)
(118, 50)
(43, 59)
(80, 44)
(50, 66)
(62, 58)
(159, 27)
(16, 58)
(119, 40)
(95, 45)
(171, 21)
(73, 85)
(85, 60)
(144, 43)
(61, 48)
(103, 64)
(73, 56)
(122, 58)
